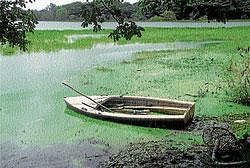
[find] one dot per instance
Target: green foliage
(74, 10)
(239, 77)
(168, 74)
(15, 22)
(93, 13)
(68, 12)
(126, 30)
(169, 16)
(175, 74)
(41, 40)
(96, 11)
(183, 9)
(157, 19)
(124, 13)
(61, 14)
(154, 8)
(195, 9)
(138, 14)
(221, 10)
(244, 8)
(166, 16)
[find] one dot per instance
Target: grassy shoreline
(42, 41)
(201, 73)
(171, 74)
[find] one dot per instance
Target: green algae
(115, 133)
(35, 116)
(188, 74)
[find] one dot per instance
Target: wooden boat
(145, 111)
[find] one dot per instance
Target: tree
(61, 13)
(94, 12)
(219, 10)
(51, 8)
(15, 22)
(244, 8)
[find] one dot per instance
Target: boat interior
(145, 106)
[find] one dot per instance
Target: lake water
(110, 25)
(36, 127)
(75, 37)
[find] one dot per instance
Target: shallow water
(31, 100)
(75, 37)
(36, 71)
(77, 155)
(110, 25)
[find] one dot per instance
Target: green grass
(201, 72)
(54, 40)
(103, 69)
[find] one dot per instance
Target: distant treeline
(173, 10)
(72, 12)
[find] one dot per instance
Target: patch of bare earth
(163, 154)
(156, 154)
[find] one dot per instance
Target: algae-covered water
(35, 120)
(37, 129)
(32, 107)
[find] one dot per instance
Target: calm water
(35, 123)
(110, 25)
(75, 37)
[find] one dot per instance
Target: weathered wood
(178, 113)
(167, 110)
(131, 111)
(85, 96)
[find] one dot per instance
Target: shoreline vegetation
(199, 74)
(190, 74)
(179, 56)
(41, 41)
(184, 20)
(170, 11)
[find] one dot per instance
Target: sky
(41, 4)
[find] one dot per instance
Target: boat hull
(178, 113)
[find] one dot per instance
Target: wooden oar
(86, 96)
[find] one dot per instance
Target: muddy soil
(200, 123)
(157, 154)
(162, 153)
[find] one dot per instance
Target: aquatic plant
(239, 77)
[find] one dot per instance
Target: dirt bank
(161, 154)
(165, 153)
